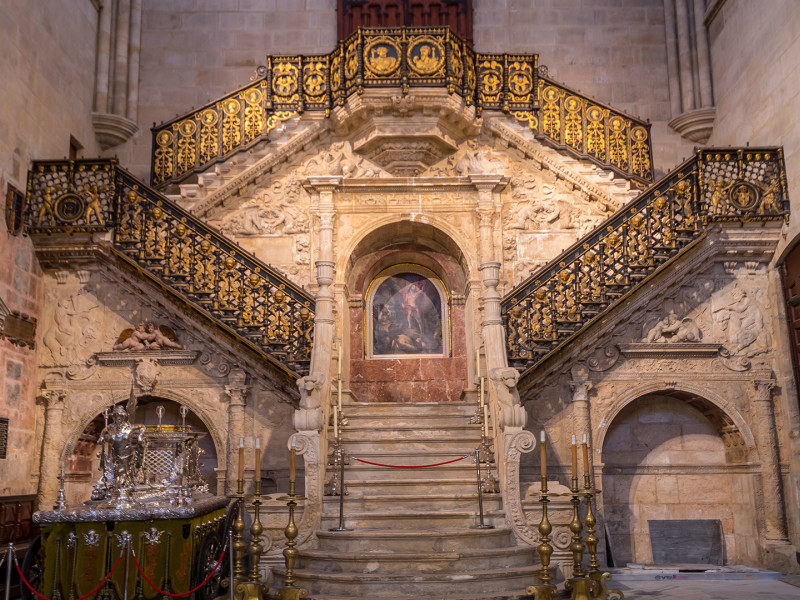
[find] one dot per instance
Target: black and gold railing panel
(570, 121)
(554, 304)
(370, 58)
(202, 267)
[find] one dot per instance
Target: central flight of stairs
(412, 531)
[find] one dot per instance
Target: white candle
(339, 401)
(486, 420)
(340, 362)
(258, 460)
(482, 391)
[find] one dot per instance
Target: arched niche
(670, 457)
(406, 315)
(82, 460)
(419, 252)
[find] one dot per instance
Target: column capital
(56, 399)
(237, 396)
(763, 389)
(580, 390)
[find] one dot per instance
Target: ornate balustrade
(202, 267)
(405, 58)
(554, 304)
(570, 121)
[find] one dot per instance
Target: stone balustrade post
(52, 447)
(767, 440)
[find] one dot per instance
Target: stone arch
(424, 231)
(728, 417)
(96, 407)
(439, 249)
(672, 454)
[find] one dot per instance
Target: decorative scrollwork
(716, 185)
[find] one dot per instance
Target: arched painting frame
(406, 314)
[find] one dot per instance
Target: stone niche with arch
(82, 464)
(407, 316)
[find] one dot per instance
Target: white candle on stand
(339, 400)
(485, 420)
(335, 422)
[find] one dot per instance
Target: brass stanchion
(481, 524)
(8, 557)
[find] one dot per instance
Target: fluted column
(767, 439)
(52, 447)
(236, 391)
(689, 69)
(116, 97)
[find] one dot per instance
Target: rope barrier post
(126, 548)
(8, 570)
(230, 558)
(341, 493)
(481, 525)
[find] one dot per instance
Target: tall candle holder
(335, 486)
(290, 553)
(545, 591)
(600, 590)
(239, 545)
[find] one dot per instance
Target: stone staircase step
(433, 502)
(420, 585)
(454, 446)
(422, 562)
(409, 519)
(411, 540)
(409, 486)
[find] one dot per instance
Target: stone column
(52, 448)
(236, 391)
(767, 440)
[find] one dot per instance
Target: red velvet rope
(99, 585)
(160, 591)
(447, 462)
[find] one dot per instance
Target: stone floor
(695, 589)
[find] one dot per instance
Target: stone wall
(615, 52)
(663, 460)
(47, 72)
(196, 51)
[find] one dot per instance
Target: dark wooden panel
(456, 14)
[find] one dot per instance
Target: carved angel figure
(743, 320)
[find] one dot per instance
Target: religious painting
(407, 314)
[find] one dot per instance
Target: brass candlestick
(590, 521)
(290, 554)
(545, 591)
(576, 527)
(599, 589)
(256, 548)
(239, 545)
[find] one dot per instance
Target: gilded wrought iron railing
(288, 85)
(404, 58)
(571, 121)
(555, 303)
(248, 298)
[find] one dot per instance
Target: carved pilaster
(52, 445)
(236, 392)
(767, 439)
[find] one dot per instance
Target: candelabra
(545, 591)
(290, 553)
